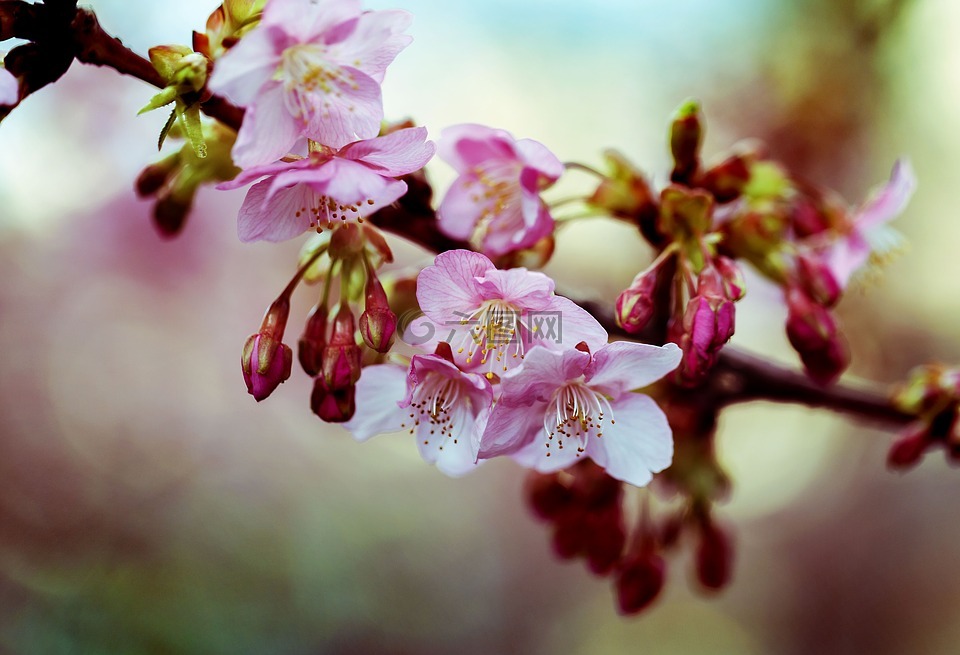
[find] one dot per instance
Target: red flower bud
(639, 581)
(266, 362)
(734, 286)
(341, 356)
(727, 179)
(907, 451)
(333, 406)
(635, 306)
(813, 334)
(686, 135)
(816, 279)
(313, 340)
(378, 323)
(714, 558)
(605, 538)
(547, 496)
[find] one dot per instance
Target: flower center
(576, 411)
(306, 74)
(498, 189)
(437, 409)
(326, 212)
(494, 327)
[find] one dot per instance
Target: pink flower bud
(708, 323)
(714, 557)
(807, 217)
(815, 278)
(333, 406)
(266, 364)
(378, 323)
(907, 451)
(639, 581)
(313, 340)
(813, 334)
(341, 356)
(635, 306)
(605, 538)
(734, 286)
(727, 179)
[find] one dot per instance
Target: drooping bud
(341, 355)
(907, 451)
(813, 333)
(547, 495)
(155, 176)
(635, 304)
(266, 361)
(606, 538)
(714, 557)
(333, 406)
(816, 279)
(686, 135)
(639, 581)
(313, 340)
(378, 323)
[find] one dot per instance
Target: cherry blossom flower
(868, 231)
(560, 406)
(313, 69)
(444, 407)
(491, 317)
(498, 191)
(328, 186)
(9, 88)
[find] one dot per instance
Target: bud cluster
(932, 394)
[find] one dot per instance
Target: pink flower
(498, 191)
(492, 317)
(312, 69)
(560, 406)
(9, 88)
(868, 231)
(444, 407)
(330, 186)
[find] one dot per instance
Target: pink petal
(283, 217)
(241, 73)
(350, 113)
(511, 429)
(888, 202)
(622, 366)
(461, 208)
(543, 372)
(352, 183)
(468, 145)
(639, 444)
(9, 88)
(846, 256)
(308, 21)
(536, 156)
(378, 392)
(575, 324)
(448, 290)
(395, 154)
(268, 131)
(536, 455)
(374, 42)
(526, 290)
(256, 172)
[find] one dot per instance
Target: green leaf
(166, 129)
(165, 97)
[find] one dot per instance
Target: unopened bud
(625, 192)
(686, 135)
(734, 286)
(635, 304)
(606, 538)
(333, 406)
(907, 451)
(155, 176)
(639, 581)
(714, 557)
(377, 323)
(727, 179)
(547, 495)
(817, 280)
(708, 323)
(312, 341)
(813, 333)
(341, 356)
(266, 364)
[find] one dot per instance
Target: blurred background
(148, 505)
